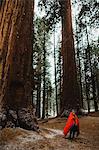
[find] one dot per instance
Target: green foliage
(89, 8)
(52, 10)
(86, 24)
(40, 30)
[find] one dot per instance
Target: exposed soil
(50, 136)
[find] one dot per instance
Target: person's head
(73, 111)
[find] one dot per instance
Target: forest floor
(50, 136)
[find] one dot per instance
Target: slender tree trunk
(87, 76)
(88, 65)
(87, 89)
(79, 67)
(47, 99)
(38, 106)
(80, 78)
(97, 84)
(55, 74)
(59, 69)
(16, 18)
(94, 93)
(94, 84)
(44, 74)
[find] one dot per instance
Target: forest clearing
(51, 137)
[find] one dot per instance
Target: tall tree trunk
(94, 85)
(91, 71)
(55, 70)
(79, 65)
(44, 74)
(59, 80)
(47, 99)
(87, 89)
(94, 92)
(71, 96)
(97, 83)
(38, 106)
(16, 28)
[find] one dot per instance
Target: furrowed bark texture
(71, 97)
(16, 32)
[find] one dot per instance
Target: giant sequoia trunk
(16, 26)
(70, 86)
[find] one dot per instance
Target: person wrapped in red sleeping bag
(72, 125)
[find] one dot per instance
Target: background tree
(71, 96)
(85, 25)
(85, 20)
(61, 9)
(41, 66)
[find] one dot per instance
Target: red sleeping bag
(70, 121)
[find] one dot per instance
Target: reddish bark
(16, 50)
(70, 86)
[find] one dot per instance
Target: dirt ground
(50, 136)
